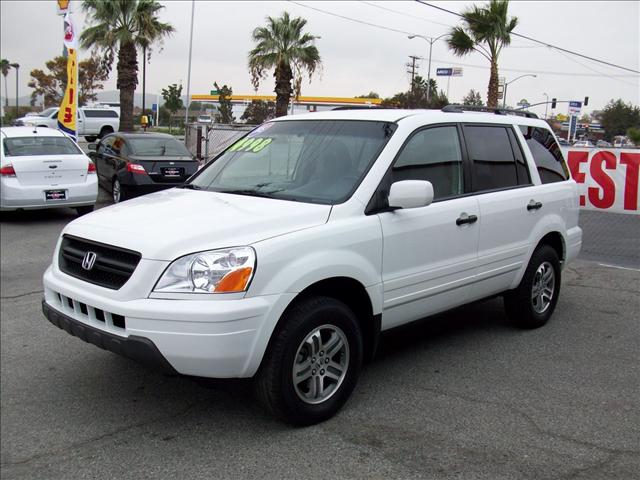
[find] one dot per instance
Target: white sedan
(44, 168)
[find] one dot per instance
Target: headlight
(216, 271)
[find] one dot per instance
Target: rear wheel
(84, 210)
(313, 362)
(105, 131)
(117, 191)
(91, 138)
(532, 303)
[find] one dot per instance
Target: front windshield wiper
(252, 192)
(190, 186)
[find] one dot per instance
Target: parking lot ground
(461, 396)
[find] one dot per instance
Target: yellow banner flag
(68, 109)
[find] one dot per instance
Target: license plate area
(55, 195)
(172, 172)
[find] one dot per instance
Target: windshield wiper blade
(189, 186)
(250, 192)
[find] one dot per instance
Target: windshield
(47, 113)
(316, 161)
(23, 146)
(158, 147)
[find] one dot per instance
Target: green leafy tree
(617, 117)
(633, 134)
(485, 30)
(259, 111)
(416, 97)
(172, 96)
(369, 95)
(51, 84)
(283, 46)
(123, 26)
(225, 111)
(5, 65)
(473, 98)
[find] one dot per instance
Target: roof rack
(455, 108)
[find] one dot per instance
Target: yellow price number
(250, 145)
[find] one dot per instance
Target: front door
(429, 253)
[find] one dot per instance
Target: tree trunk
(6, 93)
(492, 94)
(283, 88)
(127, 81)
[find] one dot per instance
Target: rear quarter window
(546, 154)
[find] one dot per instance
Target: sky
(359, 58)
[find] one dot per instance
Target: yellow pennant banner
(67, 113)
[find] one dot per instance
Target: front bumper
(214, 338)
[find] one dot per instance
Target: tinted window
(546, 153)
(493, 161)
(100, 113)
(158, 147)
(316, 161)
(23, 146)
(522, 170)
(432, 154)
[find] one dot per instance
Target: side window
(522, 169)
(432, 154)
(546, 153)
(116, 146)
(104, 147)
(490, 151)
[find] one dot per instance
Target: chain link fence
(207, 141)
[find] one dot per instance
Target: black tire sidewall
(326, 312)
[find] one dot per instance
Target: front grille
(112, 268)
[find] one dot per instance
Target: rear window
(157, 147)
(98, 113)
(24, 146)
(546, 154)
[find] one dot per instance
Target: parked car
(207, 119)
(46, 118)
(285, 257)
(93, 123)
(563, 142)
(44, 168)
(133, 164)
(583, 144)
(603, 144)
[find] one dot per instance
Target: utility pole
(412, 69)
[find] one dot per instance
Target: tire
(105, 131)
(118, 193)
(299, 403)
(90, 138)
(528, 306)
(84, 210)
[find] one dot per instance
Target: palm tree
(123, 25)
(283, 46)
(5, 65)
(485, 30)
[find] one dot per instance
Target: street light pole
(506, 84)
(431, 41)
(186, 110)
(546, 105)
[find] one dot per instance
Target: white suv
(285, 257)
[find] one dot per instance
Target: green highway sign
(215, 92)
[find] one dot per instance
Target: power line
(405, 14)
(536, 41)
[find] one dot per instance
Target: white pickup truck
(92, 122)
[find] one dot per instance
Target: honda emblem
(89, 260)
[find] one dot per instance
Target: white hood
(171, 223)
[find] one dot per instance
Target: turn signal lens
(236, 281)
(92, 167)
(135, 168)
(7, 171)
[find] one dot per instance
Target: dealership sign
(449, 72)
(607, 179)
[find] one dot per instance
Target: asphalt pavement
(461, 396)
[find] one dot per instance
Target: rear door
(507, 200)
(429, 255)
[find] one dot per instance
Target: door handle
(464, 218)
(534, 205)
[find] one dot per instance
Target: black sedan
(132, 164)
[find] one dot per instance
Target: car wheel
(313, 362)
(84, 210)
(117, 191)
(91, 139)
(532, 303)
(105, 131)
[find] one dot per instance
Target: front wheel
(532, 303)
(313, 362)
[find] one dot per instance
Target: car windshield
(158, 147)
(315, 161)
(23, 146)
(47, 113)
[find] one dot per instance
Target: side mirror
(92, 146)
(410, 194)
